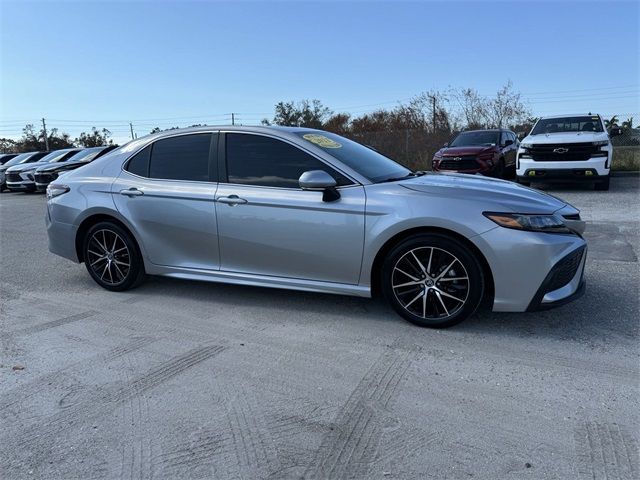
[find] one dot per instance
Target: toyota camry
(305, 209)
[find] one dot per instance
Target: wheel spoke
(95, 253)
(450, 279)
(442, 292)
(119, 250)
(119, 271)
(424, 306)
(104, 271)
(444, 272)
(418, 261)
(441, 302)
(429, 264)
(415, 279)
(98, 260)
(414, 299)
(406, 284)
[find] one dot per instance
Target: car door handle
(232, 200)
(131, 192)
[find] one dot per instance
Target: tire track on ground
(54, 323)
(255, 452)
(349, 449)
(23, 392)
(37, 441)
(606, 451)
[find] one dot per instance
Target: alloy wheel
(108, 257)
(430, 283)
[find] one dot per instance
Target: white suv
(567, 148)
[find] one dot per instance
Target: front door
(269, 226)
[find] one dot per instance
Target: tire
(604, 184)
(500, 170)
(423, 299)
(523, 182)
(112, 257)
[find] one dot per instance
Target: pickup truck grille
(466, 162)
(562, 152)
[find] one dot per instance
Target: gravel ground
(183, 379)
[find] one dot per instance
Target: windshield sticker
(321, 141)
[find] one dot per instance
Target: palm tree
(611, 122)
(628, 123)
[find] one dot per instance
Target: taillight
(56, 189)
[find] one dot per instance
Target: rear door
(268, 225)
(167, 192)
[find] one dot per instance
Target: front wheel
(112, 257)
(433, 280)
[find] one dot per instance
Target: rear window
(568, 124)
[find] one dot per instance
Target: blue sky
(177, 63)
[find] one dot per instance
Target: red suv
(489, 152)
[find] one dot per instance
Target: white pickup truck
(567, 148)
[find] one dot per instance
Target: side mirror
(615, 131)
(320, 180)
(508, 142)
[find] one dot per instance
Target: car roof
(487, 130)
(572, 115)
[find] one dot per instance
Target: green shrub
(626, 158)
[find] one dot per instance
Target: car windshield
(367, 162)
(5, 158)
(568, 124)
(19, 159)
(86, 155)
(469, 139)
(56, 156)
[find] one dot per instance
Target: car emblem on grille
(560, 150)
(457, 159)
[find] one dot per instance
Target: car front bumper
(563, 171)
(521, 264)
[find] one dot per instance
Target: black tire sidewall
(136, 271)
(455, 247)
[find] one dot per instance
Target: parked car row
(562, 148)
(33, 171)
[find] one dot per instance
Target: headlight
(601, 143)
(526, 145)
(531, 223)
(55, 190)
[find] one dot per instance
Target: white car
(567, 148)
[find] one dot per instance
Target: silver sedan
(309, 210)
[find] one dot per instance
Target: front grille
(14, 177)
(44, 177)
(565, 270)
(575, 152)
(465, 162)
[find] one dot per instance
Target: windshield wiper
(395, 179)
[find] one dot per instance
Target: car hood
(568, 137)
(510, 196)
(21, 167)
(52, 167)
(469, 150)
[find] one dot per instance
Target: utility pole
(131, 127)
(233, 119)
(433, 108)
(46, 137)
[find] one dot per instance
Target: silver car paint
(290, 238)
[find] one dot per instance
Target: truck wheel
(523, 182)
(604, 184)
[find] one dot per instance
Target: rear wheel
(433, 280)
(604, 184)
(112, 257)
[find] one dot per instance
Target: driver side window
(268, 162)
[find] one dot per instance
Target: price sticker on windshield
(321, 140)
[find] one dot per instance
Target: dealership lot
(186, 379)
